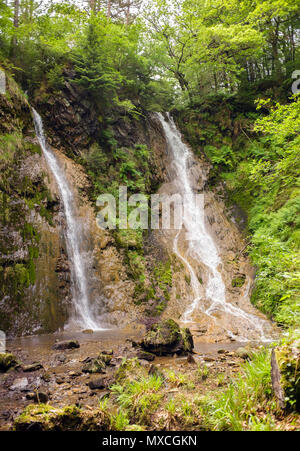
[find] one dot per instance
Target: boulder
(166, 337)
(7, 361)
(285, 374)
(19, 384)
(67, 344)
(98, 384)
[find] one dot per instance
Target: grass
(245, 403)
(139, 398)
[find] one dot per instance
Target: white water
(201, 246)
(83, 316)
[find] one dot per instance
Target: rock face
(166, 337)
(33, 293)
(286, 375)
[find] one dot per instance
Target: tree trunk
(16, 25)
(276, 376)
(108, 9)
(16, 13)
(128, 13)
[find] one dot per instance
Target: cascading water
(83, 316)
(201, 246)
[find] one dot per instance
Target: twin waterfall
(83, 316)
(199, 245)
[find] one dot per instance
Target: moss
(94, 366)
(43, 417)
(126, 368)
(238, 282)
(163, 333)
(7, 361)
(187, 338)
(129, 239)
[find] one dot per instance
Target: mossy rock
(7, 361)
(286, 375)
(97, 365)
(94, 366)
(187, 338)
(166, 337)
(105, 358)
(127, 368)
(43, 417)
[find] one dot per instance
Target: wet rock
(190, 359)
(7, 361)
(109, 352)
(285, 375)
(88, 332)
(93, 366)
(5, 414)
(33, 367)
(39, 397)
(19, 384)
(46, 377)
(61, 358)
(59, 380)
(144, 355)
(166, 337)
(202, 330)
(97, 384)
(208, 359)
(67, 344)
(74, 374)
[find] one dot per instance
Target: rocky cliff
(34, 276)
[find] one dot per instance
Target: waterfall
(201, 246)
(83, 316)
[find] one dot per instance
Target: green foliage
(236, 409)
(270, 184)
(261, 174)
